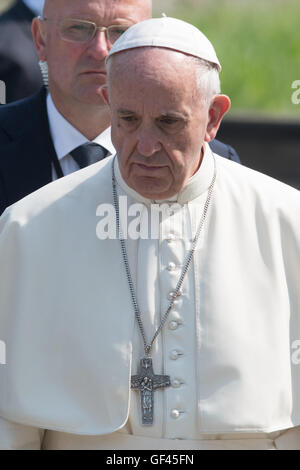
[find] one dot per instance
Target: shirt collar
(196, 185)
(66, 137)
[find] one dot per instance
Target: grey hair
(207, 78)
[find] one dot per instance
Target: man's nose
(99, 45)
(148, 143)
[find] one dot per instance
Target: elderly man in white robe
(151, 301)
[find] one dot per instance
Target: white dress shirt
(66, 138)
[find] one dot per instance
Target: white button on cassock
(173, 325)
(176, 383)
(172, 295)
(171, 238)
(175, 354)
(175, 414)
(171, 267)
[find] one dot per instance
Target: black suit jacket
(27, 152)
(19, 67)
(26, 148)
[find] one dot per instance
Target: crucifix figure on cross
(146, 382)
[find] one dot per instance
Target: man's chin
(154, 193)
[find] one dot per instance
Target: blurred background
(258, 45)
(5, 4)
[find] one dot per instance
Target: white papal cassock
(231, 344)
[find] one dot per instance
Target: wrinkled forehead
(149, 63)
(99, 10)
(150, 77)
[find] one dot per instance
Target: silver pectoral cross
(146, 382)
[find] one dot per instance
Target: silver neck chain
(148, 346)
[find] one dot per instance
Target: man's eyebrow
(174, 114)
(125, 111)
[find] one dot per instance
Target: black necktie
(88, 153)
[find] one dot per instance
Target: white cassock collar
(196, 185)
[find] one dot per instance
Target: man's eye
(77, 27)
(118, 30)
(128, 118)
(77, 32)
(171, 123)
(74, 28)
(168, 121)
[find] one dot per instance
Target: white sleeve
(19, 437)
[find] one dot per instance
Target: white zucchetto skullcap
(169, 33)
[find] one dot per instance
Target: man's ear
(218, 107)
(39, 34)
(104, 94)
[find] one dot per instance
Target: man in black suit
(31, 148)
(19, 67)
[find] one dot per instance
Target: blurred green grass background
(257, 42)
(4, 4)
(258, 45)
